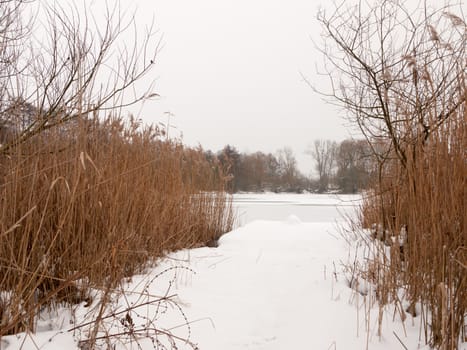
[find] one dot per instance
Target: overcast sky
(229, 72)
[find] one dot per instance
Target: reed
(87, 203)
(421, 212)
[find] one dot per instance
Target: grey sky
(229, 71)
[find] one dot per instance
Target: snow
(268, 285)
(307, 207)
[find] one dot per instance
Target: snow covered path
(271, 285)
(275, 280)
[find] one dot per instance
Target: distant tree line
(344, 167)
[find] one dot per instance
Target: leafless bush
(138, 317)
(66, 64)
(401, 76)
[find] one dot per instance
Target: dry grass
(87, 204)
(428, 197)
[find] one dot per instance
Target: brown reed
(428, 199)
(85, 204)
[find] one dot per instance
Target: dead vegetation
(93, 205)
(400, 73)
(87, 197)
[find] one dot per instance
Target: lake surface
(307, 207)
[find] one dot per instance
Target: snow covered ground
(272, 284)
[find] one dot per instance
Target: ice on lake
(249, 207)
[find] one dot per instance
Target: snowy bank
(268, 285)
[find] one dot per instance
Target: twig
(123, 311)
(400, 341)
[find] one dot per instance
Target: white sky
(229, 71)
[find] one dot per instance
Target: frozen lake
(307, 207)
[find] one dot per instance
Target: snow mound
(293, 220)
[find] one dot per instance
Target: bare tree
(394, 70)
(287, 167)
(400, 74)
(323, 152)
(68, 65)
(396, 73)
(354, 163)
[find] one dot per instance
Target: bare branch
(71, 66)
